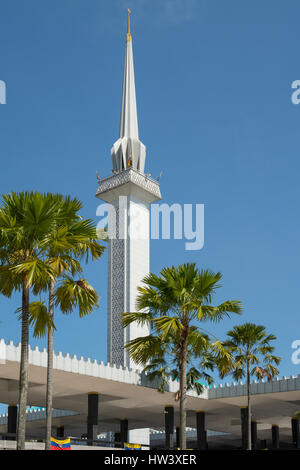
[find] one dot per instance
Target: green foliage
(173, 305)
(250, 345)
(42, 240)
(39, 318)
(71, 294)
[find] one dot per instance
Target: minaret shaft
(128, 264)
(129, 195)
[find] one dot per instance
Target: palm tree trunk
(249, 407)
(183, 387)
(24, 365)
(49, 392)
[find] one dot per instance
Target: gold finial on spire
(128, 37)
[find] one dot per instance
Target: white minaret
(129, 193)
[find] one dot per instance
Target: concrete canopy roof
(126, 393)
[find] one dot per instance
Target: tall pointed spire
(128, 37)
(128, 151)
(129, 122)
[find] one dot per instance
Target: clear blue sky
(213, 82)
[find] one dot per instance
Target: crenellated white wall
(12, 353)
(66, 363)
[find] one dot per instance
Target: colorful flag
(57, 444)
(132, 446)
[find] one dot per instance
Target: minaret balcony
(129, 182)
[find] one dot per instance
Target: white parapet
(11, 353)
(2, 351)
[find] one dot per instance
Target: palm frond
(140, 318)
(35, 270)
(142, 349)
(167, 326)
(39, 319)
(71, 294)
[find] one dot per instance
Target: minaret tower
(129, 193)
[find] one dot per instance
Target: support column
(60, 432)
(275, 437)
(244, 426)
(124, 431)
(177, 437)
(169, 426)
(92, 420)
(295, 433)
(12, 419)
(117, 439)
(201, 434)
(263, 444)
(254, 435)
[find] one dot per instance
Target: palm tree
(41, 237)
(172, 304)
(26, 218)
(163, 359)
(69, 294)
(71, 239)
(252, 350)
